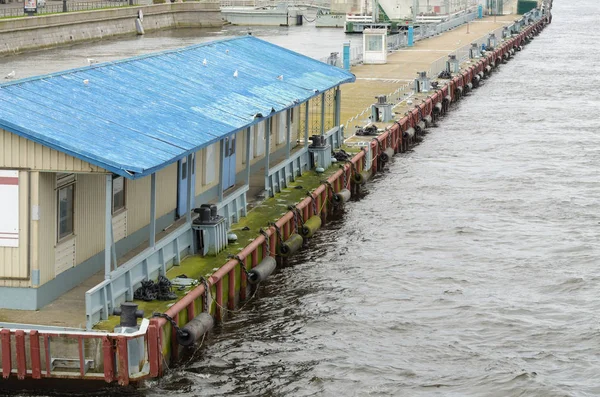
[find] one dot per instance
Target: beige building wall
(47, 226)
(207, 167)
(18, 152)
(89, 208)
(14, 261)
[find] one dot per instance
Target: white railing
(101, 300)
(286, 171)
(233, 206)
(360, 18)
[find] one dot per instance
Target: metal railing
(286, 171)
(54, 352)
(69, 6)
(273, 3)
(101, 300)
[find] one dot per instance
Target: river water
(470, 268)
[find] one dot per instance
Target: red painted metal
(35, 354)
(153, 350)
(109, 359)
(231, 292)
(81, 357)
(191, 312)
(219, 284)
(47, 351)
(243, 279)
(20, 351)
(6, 355)
(174, 344)
(123, 359)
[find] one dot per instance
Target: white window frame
(65, 181)
(119, 182)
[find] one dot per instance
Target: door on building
(182, 175)
(228, 176)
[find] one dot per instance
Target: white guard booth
(374, 46)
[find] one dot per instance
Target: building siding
(90, 191)
(18, 152)
(138, 198)
(14, 261)
(47, 226)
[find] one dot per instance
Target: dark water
(469, 269)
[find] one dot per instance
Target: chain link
(330, 188)
(267, 241)
(241, 263)
(171, 320)
(314, 201)
(298, 218)
(344, 177)
(206, 294)
(278, 231)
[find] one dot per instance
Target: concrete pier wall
(29, 33)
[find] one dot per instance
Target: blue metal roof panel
(138, 115)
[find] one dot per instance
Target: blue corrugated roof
(138, 115)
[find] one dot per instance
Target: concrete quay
(30, 33)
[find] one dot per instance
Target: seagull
(11, 75)
(235, 74)
(205, 62)
(91, 61)
(280, 77)
(86, 81)
(226, 51)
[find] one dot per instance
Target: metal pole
(107, 226)
(338, 105)
(323, 114)
(268, 146)
(221, 168)
(152, 237)
(248, 148)
(288, 125)
(190, 163)
(306, 126)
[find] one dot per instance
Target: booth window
(375, 43)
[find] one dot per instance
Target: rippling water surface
(469, 269)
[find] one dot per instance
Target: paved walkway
(402, 67)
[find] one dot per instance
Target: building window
(66, 205)
(118, 194)
(375, 43)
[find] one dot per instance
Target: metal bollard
(129, 314)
